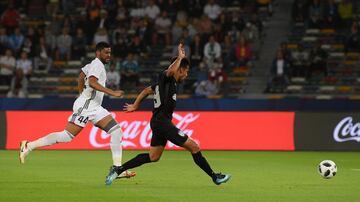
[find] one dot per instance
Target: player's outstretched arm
(81, 82)
(93, 82)
(176, 64)
(133, 107)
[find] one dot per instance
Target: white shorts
(81, 116)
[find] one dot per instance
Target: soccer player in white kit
(87, 107)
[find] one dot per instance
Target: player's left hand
(181, 51)
(130, 107)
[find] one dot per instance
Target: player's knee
(195, 148)
(154, 157)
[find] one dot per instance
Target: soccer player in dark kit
(162, 127)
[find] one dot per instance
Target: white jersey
(90, 97)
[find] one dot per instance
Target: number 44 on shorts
(82, 119)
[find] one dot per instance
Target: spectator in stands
(205, 26)
(226, 47)
(28, 47)
(353, 41)
(346, 12)
(251, 35)
(52, 8)
(212, 10)
(285, 51)
(24, 65)
(68, 23)
(43, 59)
(113, 77)
(7, 66)
(315, 14)
(318, 58)
(93, 14)
(130, 72)
(50, 40)
(258, 23)
(207, 88)
(144, 32)
(22, 74)
(105, 22)
(300, 62)
(120, 48)
(10, 18)
(63, 44)
(171, 8)
(79, 45)
(299, 11)
(162, 28)
(176, 32)
(196, 49)
(121, 11)
(152, 10)
(3, 39)
(212, 51)
(16, 40)
(138, 11)
(101, 35)
(279, 71)
(331, 13)
(136, 46)
(241, 53)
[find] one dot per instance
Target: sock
(115, 145)
(203, 164)
(135, 162)
(50, 139)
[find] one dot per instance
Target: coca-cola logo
(137, 134)
(346, 130)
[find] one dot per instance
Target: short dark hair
(101, 45)
(184, 63)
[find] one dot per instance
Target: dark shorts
(164, 131)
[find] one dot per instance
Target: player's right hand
(130, 107)
(118, 93)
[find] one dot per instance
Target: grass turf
(256, 176)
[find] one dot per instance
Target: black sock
(135, 162)
(203, 164)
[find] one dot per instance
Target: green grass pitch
(256, 176)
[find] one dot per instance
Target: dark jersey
(164, 96)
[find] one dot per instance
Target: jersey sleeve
(93, 70)
(85, 69)
(153, 86)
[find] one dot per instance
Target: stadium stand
(59, 37)
(321, 53)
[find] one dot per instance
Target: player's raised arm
(93, 82)
(176, 64)
(81, 82)
(144, 93)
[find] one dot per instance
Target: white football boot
(24, 151)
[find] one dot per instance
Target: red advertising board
(212, 130)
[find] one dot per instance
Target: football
(327, 169)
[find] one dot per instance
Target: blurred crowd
(218, 35)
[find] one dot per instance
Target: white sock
(50, 139)
(115, 145)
